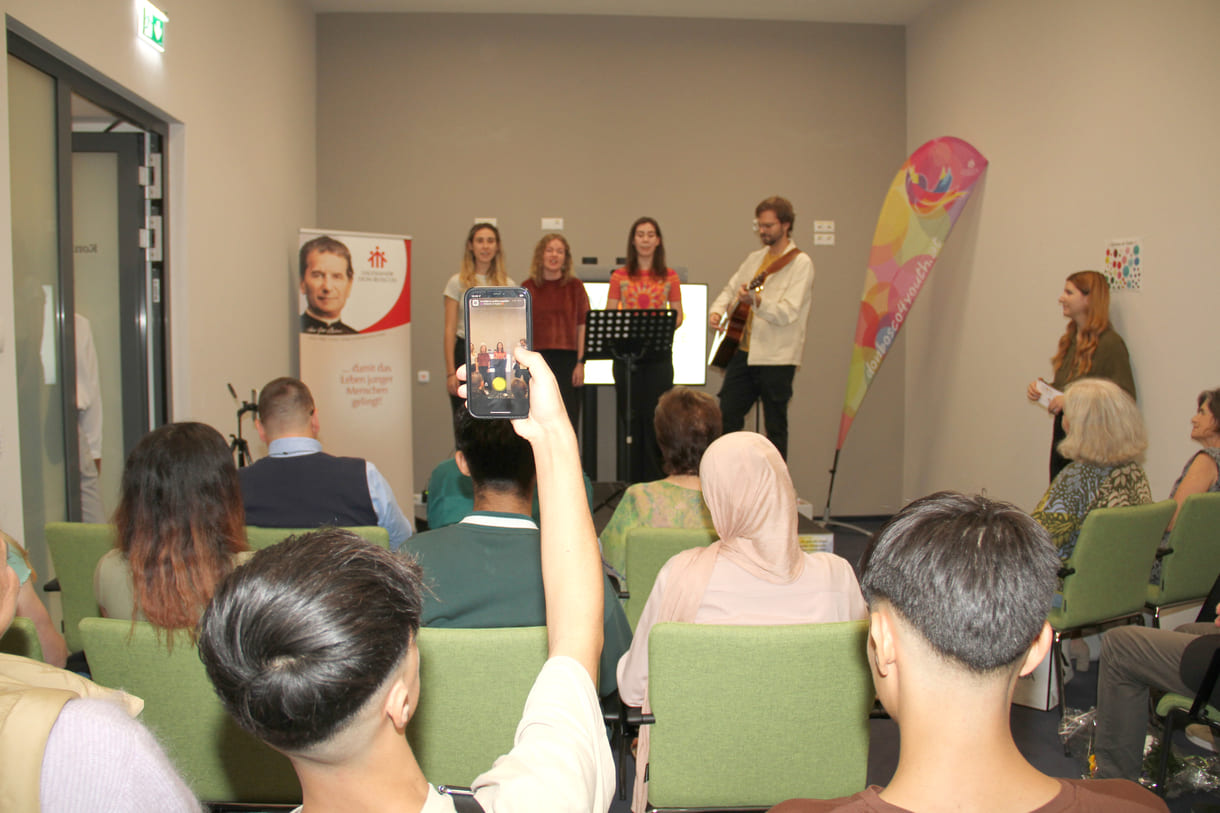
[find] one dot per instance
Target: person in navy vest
(297, 485)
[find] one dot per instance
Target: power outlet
(423, 376)
(824, 239)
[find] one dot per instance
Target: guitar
(733, 323)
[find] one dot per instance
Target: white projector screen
(690, 340)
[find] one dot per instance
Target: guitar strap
(788, 257)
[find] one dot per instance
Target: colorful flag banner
(922, 204)
(355, 340)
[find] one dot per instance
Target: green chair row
(648, 549)
(1191, 560)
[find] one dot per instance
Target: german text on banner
(920, 208)
(355, 299)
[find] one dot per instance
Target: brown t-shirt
(559, 308)
(1075, 796)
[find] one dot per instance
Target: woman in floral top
(645, 283)
(1105, 441)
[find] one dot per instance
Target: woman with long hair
(180, 528)
(756, 573)
(644, 283)
(482, 266)
(560, 307)
(1089, 347)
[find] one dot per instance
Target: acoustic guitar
(733, 323)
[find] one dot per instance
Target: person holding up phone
(495, 316)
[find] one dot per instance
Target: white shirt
(777, 332)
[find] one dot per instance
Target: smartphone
(497, 320)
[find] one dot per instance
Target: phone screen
(497, 320)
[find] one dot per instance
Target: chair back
(1189, 572)
(1112, 559)
(75, 550)
(22, 639)
(648, 549)
(260, 537)
(794, 722)
(219, 761)
(473, 685)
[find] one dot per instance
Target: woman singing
(1090, 347)
(560, 305)
(646, 283)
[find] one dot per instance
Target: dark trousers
(652, 380)
(562, 364)
(743, 385)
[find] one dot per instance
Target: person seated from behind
(756, 573)
(69, 744)
(297, 485)
(685, 422)
(958, 589)
(312, 648)
(1105, 441)
(54, 648)
(485, 571)
(179, 528)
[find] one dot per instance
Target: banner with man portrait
(355, 342)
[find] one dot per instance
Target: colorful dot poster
(1124, 264)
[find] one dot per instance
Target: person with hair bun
(1090, 346)
(180, 528)
(560, 307)
(686, 421)
(1105, 442)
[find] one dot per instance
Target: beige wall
(428, 121)
(239, 80)
(1099, 121)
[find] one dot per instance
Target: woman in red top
(560, 305)
(646, 283)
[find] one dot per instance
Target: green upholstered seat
(473, 686)
(219, 761)
(75, 550)
(21, 639)
(258, 537)
(648, 549)
(1189, 569)
(747, 716)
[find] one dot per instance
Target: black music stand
(630, 336)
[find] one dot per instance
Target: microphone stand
(237, 443)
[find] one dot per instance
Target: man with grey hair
(958, 589)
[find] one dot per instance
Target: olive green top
(1110, 361)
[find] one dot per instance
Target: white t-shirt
(454, 291)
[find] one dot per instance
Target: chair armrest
(634, 715)
(1163, 552)
(1064, 572)
(51, 587)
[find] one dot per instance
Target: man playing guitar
(767, 303)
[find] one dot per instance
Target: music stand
(630, 336)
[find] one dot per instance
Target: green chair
(21, 639)
(473, 685)
(1191, 559)
(75, 550)
(1179, 711)
(797, 724)
(219, 761)
(648, 549)
(1105, 580)
(259, 537)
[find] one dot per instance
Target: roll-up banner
(355, 300)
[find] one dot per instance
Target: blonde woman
(560, 307)
(482, 266)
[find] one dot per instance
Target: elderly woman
(1202, 472)
(1105, 441)
(756, 573)
(180, 528)
(685, 421)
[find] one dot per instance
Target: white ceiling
(878, 12)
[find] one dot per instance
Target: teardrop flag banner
(922, 204)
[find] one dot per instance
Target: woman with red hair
(180, 528)
(1090, 347)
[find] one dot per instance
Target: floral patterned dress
(654, 505)
(1080, 488)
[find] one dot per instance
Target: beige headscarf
(750, 495)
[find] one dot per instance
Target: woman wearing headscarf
(756, 573)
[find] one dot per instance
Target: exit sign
(152, 25)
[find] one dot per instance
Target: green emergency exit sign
(152, 25)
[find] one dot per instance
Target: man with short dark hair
(326, 283)
(311, 646)
(297, 485)
(773, 340)
(958, 590)
(485, 571)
